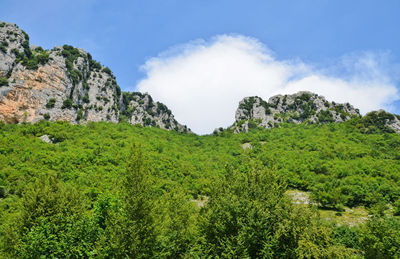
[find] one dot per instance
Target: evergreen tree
(131, 229)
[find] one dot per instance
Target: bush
(31, 63)
(107, 71)
(67, 104)
(94, 65)
(118, 90)
(86, 98)
(3, 46)
(51, 103)
(3, 81)
(2, 192)
(46, 116)
(79, 116)
(325, 117)
(43, 58)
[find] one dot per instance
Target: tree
(248, 216)
(130, 231)
(50, 223)
(176, 226)
(380, 237)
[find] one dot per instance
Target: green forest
(105, 190)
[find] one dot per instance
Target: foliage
(31, 60)
(79, 115)
(46, 116)
(67, 104)
(3, 46)
(173, 195)
(3, 81)
(380, 238)
(325, 117)
(51, 103)
(248, 216)
(247, 105)
(86, 98)
(374, 122)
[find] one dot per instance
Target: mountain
(67, 84)
(305, 107)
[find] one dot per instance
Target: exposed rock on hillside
(141, 109)
(66, 84)
(297, 108)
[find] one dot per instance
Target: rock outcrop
(66, 84)
(302, 107)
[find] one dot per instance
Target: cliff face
(297, 108)
(66, 84)
(307, 107)
(140, 108)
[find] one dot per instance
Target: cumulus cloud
(202, 82)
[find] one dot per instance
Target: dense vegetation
(117, 190)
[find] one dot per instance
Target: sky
(201, 57)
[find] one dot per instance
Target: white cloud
(202, 82)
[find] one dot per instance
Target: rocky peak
(13, 40)
(67, 84)
(141, 109)
(297, 108)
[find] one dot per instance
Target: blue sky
(327, 36)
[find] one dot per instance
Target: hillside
(340, 164)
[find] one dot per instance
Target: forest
(105, 190)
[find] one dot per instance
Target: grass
(351, 216)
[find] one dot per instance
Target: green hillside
(117, 190)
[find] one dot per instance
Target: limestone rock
(302, 107)
(46, 138)
(141, 109)
(66, 84)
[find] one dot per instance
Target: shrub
(50, 104)
(31, 63)
(247, 105)
(94, 64)
(46, 116)
(107, 71)
(3, 81)
(325, 117)
(79, 116)
(86, 98)
(118, 90)
(43, 58)
(67, 104)
(2, 192)
(3, 46)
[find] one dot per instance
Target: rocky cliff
(66, 84)
(297, 108)
(306, 107)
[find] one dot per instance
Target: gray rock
(302, 107)
(68, 86)
(46, 139)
